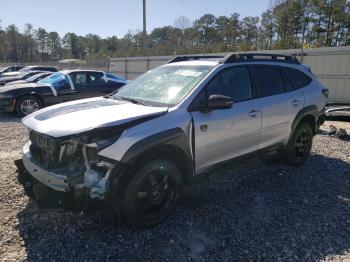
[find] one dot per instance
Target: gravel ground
(264, 212)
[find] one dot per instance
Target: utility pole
(144, 28)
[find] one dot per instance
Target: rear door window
(95, 78)
(298, 78)
(79, 79)
(269, 80)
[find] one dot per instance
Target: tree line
(285, 24)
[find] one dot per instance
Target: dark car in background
(60, 87)
(9, 69)
(31, 68)
(21, 76)
(33, 79)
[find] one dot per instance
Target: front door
(227, 133)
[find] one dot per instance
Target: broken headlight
(98, 139)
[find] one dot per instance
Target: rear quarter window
(298, 78)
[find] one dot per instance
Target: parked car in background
(9, 69)
(33, 79)
(30, 68)
(170, 127)
(21, 76)
(60, 87)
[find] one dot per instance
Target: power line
(193, 7)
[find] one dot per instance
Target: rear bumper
(53, 180)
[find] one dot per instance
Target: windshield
(56, 80)
(23, 75)
(34, 77)
(163, 86)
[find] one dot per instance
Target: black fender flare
(306, 111)
(171, 140)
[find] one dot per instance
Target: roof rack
(256, 57)
(188, 58)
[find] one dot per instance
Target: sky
(116, 17)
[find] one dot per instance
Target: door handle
(253, 113)
(296, 102)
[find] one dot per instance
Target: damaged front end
(72, 164)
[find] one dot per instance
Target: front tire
(299, 145)
(150, 195)
(27, 105)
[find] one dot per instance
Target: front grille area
(51, 153)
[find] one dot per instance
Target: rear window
(298, 78)
(269, 80)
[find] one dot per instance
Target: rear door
(280, 103)
(98, 84)
(90, 84)
(81, 86)
(223, 134)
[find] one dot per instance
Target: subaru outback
(138, 146)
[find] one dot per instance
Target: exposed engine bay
(75, 159)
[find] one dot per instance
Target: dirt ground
(261, 213)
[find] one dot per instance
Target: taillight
(325, 92)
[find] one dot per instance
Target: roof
(237, 58)
(79, 70)
(206, 62)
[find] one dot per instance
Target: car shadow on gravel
(9, 118)
(264, 212)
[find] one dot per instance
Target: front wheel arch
(34, 95)
(172, 153)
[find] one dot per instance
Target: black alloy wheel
(299, 145)
(150, 195)
(156, 194)
(302, 145)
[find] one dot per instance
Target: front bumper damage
(91, 182)
(53, 180)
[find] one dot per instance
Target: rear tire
(27, 105)
(150, 195)
(299, 145)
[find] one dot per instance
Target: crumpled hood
(7, 88)
(87, 114)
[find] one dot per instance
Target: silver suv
(139, 145)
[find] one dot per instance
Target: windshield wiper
(132, 100)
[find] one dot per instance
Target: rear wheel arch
(307, 115)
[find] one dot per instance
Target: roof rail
(256, 57)
(194, 57)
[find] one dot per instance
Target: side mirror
(219, 102)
